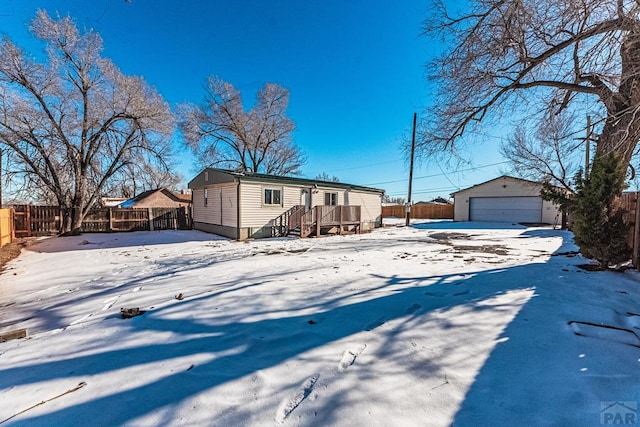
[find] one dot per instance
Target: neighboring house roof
(177, 197)
(109, 202)
(199, 182)
(495, 179)
(436, 201)
(181, 197)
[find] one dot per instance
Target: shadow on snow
(533, 374)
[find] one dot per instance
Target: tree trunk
(76, 220)
(72, 220)
(621, 130)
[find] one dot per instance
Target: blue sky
(355, 71)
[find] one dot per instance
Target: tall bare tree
(223, 134)
(75, 123)
(581, 55)
(550, 153)
(547, 56)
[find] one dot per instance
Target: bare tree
(75, 123)
(580, 55)
(223, 134)
(136, 179)
(393, 200)
(549, 154)
(323, 176)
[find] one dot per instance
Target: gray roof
(495, 179)
(223, 175)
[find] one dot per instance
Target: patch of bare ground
(11, 251)
(488, 249)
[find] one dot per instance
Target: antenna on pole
(413, 149)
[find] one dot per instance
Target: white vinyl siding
(229, 199)
(371, 210)
(221, 207)
(257, 214)
(318, 197)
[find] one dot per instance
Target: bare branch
(73, 125)
(563, 55)
(223, 134)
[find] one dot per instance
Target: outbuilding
(158, 198)
(505, 199)
(252, 205)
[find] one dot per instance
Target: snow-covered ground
(436, 324)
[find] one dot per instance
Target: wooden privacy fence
(136, 219)
(632, 218)
(30, 220)
(36, 220)
(6, 227)
(422, 211)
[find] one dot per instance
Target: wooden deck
(320, 220)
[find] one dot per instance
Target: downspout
(238, 218)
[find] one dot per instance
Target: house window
(331, 199)
(206, 176)
(206, 197)
(272, 196)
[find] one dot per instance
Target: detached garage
(505, 199)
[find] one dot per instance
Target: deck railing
(319, 217)
(287, 221)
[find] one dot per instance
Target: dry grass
(11, 251)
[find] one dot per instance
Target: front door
(305, 199)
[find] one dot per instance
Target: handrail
(294, 218)
(314, 218)
(282, 224)
(307, 222)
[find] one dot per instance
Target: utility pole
(588, 141)
(413, 149)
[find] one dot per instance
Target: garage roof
(495, 179)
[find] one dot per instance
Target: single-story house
(505, 199)
(253, 205)
(158, 198)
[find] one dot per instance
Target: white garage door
(505, 209)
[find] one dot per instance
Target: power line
(365, 166)
(427, 191)
(440, 174)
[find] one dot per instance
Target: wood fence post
(12, 223)
(150, 216)
(318, 217)
(28, 220)
(110, 217)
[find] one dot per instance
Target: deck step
(294, 232)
